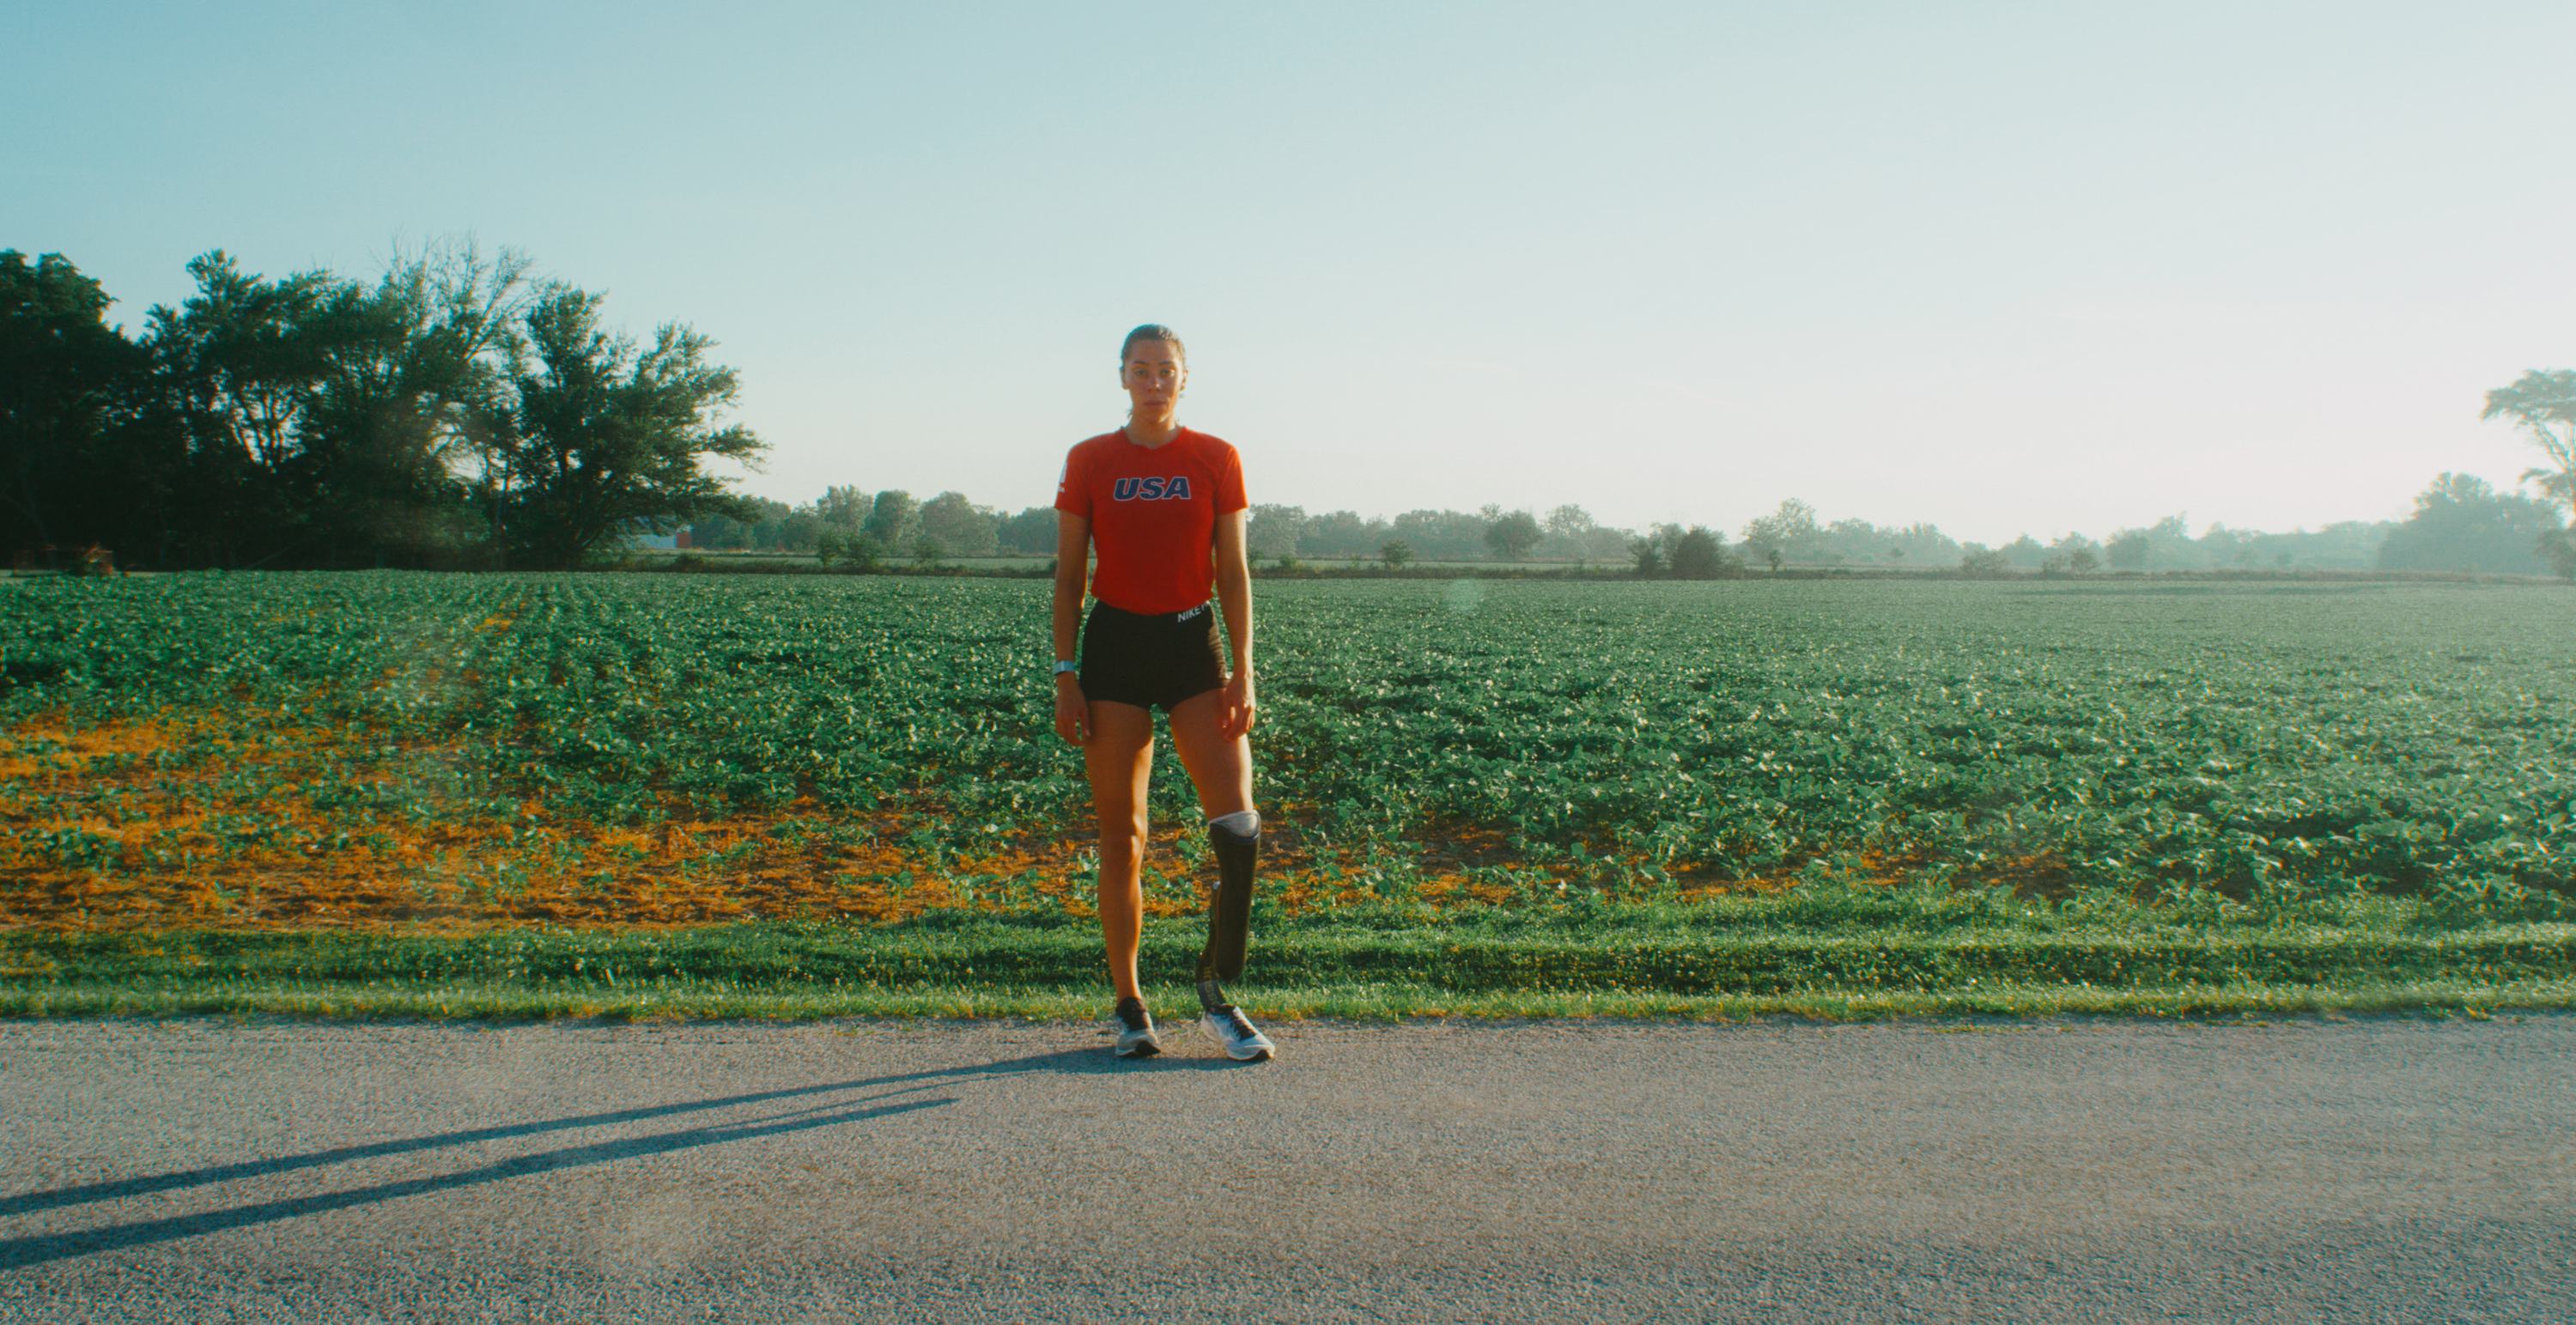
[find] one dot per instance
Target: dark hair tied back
(1155, 331)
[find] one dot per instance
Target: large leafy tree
(235, 368)
(1699, 553)
(320, 421)
(959, 526)
(1274, 530)
(1512, 534)
(2544, 405)
(63, 371)
(1032, 530)
(606, 438)
(313, 420)
(1647, 551)
(894, 519)
(845, 509)
(1789, 533)
(407, 401)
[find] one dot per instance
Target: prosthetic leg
(1236, 839)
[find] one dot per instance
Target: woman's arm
(1072, 576)
(1234, 594)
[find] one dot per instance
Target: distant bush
(2463, 524)
(1983, 562)
(1699, 554)
(861, 552)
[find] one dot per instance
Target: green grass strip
(1027, 967)
(717, 1001)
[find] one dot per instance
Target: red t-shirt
(1153, 515)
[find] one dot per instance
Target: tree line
(458, 411)
(455, 411)
(2460, 523)
(850, 525)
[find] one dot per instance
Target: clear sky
(2008, 268)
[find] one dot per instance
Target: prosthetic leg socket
(1230, 913)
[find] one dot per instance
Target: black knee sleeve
(1230, 913)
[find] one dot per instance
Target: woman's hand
(1236, 707)
(1072, 711)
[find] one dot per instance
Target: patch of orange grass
(54, 747)
(172, 829)
(168, 800)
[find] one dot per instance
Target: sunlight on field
(371, 750)
(262, 821)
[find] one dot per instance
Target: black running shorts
(1150, 661)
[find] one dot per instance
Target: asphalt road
(2368, 1170)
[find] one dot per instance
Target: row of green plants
(2149, 740)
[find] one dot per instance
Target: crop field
(369, 750)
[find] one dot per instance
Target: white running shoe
(1135, 1029)
(1227, 1026)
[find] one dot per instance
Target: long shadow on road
(37, 1249)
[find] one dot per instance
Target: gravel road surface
(2366, 1170)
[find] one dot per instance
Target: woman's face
(1153, 376)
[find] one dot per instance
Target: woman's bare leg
(1120, 758)
(1220, 766)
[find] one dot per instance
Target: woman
(1163, 507)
